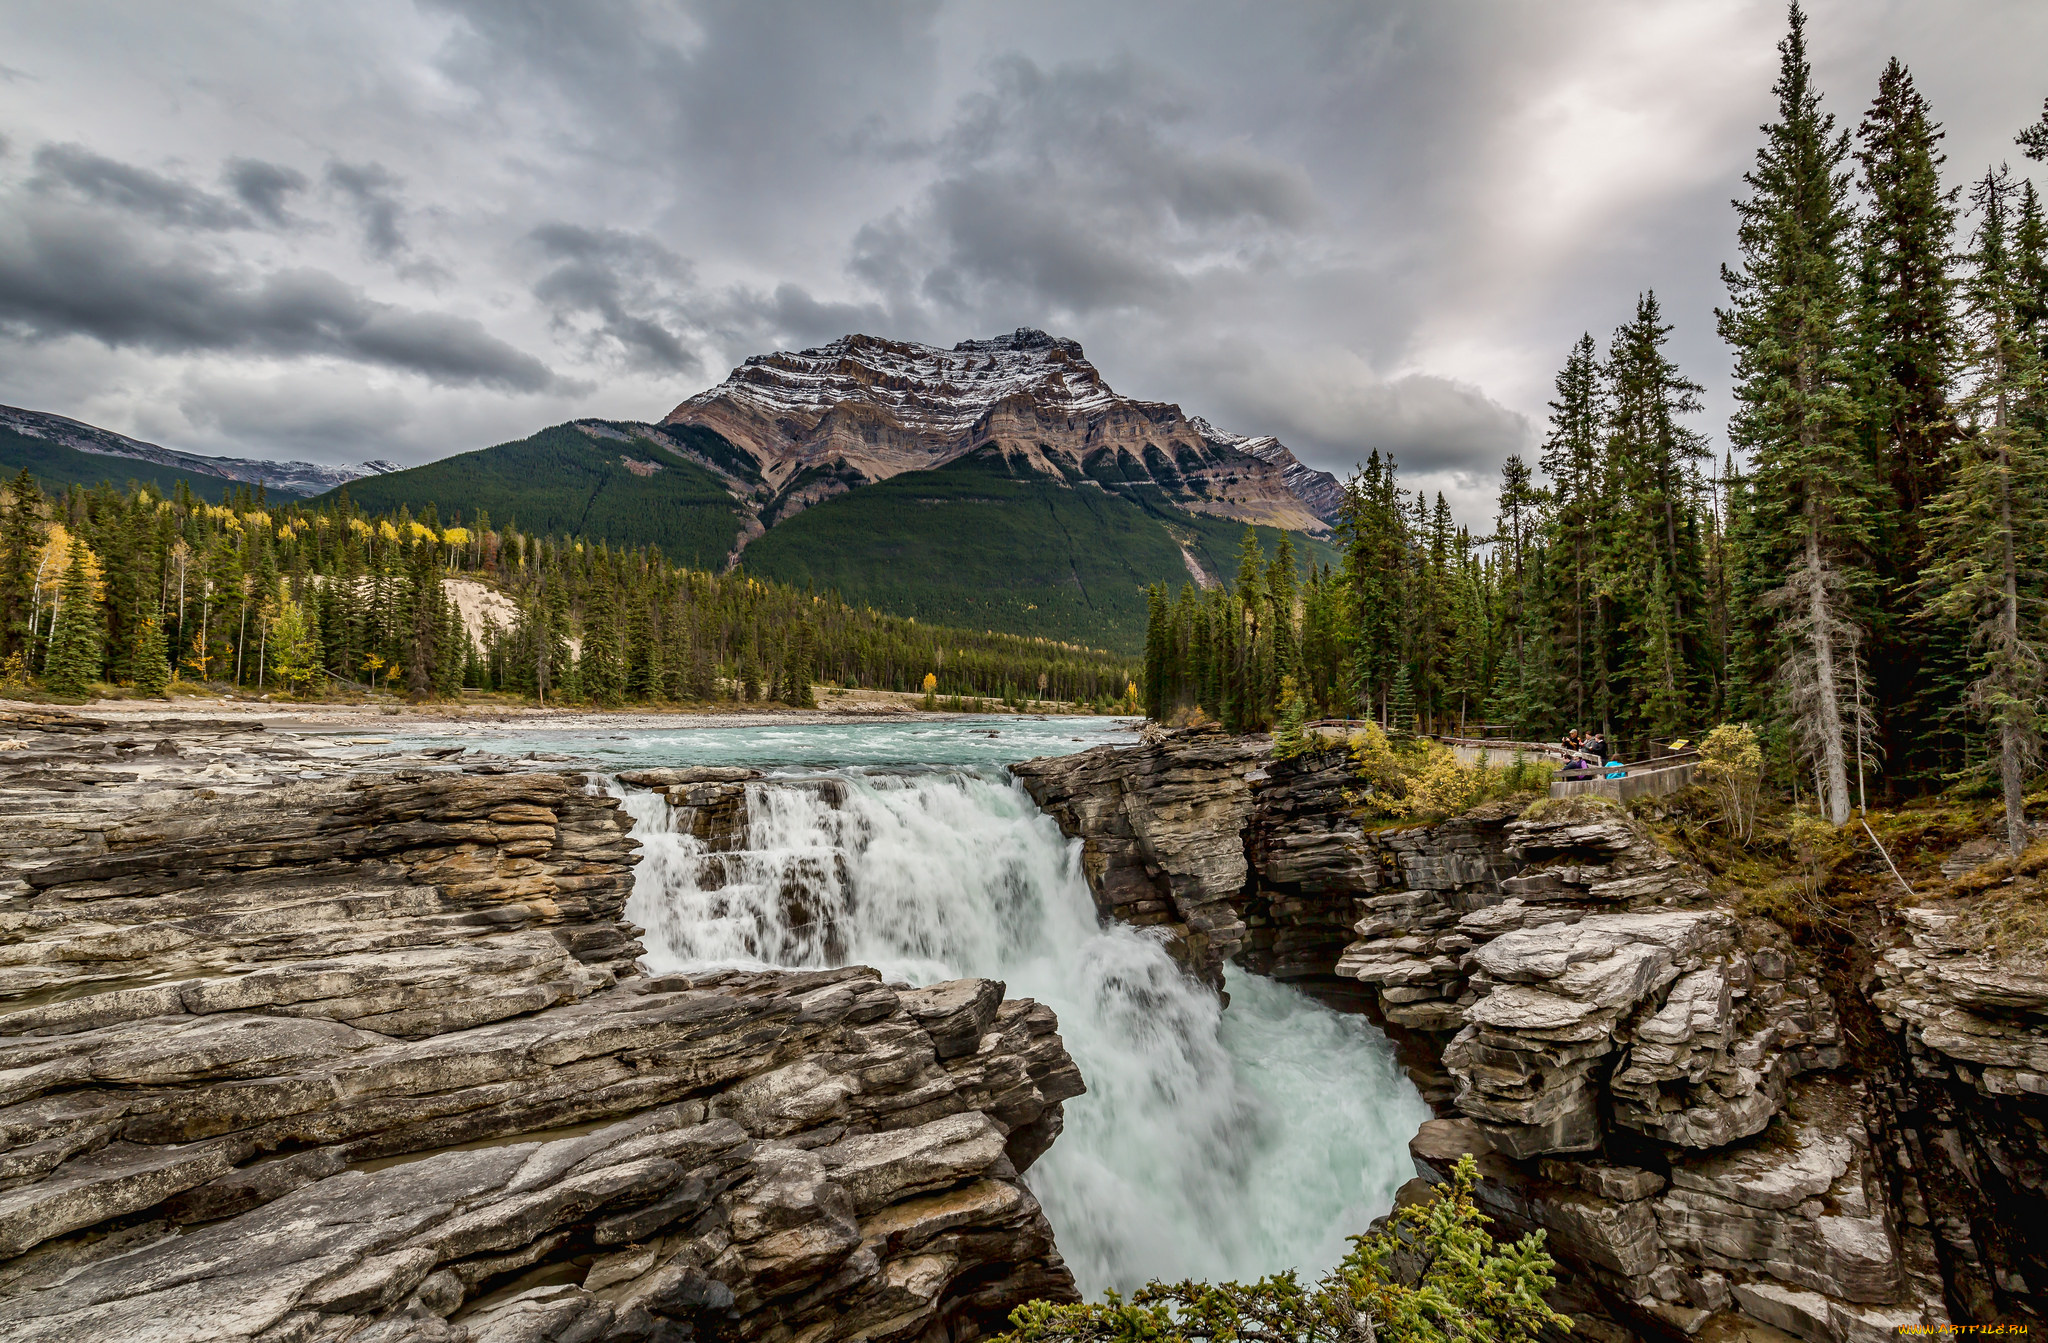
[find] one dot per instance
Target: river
(1211, 1143)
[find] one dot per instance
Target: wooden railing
(1634, 767)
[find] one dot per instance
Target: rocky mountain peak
(923, 387)
(863, 408)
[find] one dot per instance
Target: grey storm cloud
(63, 273)
(264, 187)
(622, 279)
(373, 191)
(1066, 187)
(137, 191)
(1357, 225)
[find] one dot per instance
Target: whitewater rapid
(1210, 1144)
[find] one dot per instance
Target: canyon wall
(1660, 1084)
(298, 1049)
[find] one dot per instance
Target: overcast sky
(390, 229)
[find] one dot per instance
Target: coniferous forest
(1860, 571)
(98, 586)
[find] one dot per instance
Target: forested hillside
(55, 466)
(976, 543)
(134, 589)
(1869, 588)
(587, 479)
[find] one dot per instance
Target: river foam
(1210, 1143)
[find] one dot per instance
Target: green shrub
(1433, 1276)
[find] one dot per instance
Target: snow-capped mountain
(819, 422)
(303, 479)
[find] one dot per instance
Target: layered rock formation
(1160, 826)
(298, 1048)
(1653, 1080)
(821, 421)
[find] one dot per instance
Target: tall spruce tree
(1988, 547)
(21, 538)
(1906, 346)
(1572, 461)
(1370, 525)
(1254, 654)
(1797, 417)
(1652, 559)
(78, 633)
(1157, 652)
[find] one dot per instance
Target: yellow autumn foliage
(1424, 779)
(53, 562)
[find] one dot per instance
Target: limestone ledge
(296, 1047)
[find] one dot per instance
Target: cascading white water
(1210, 1143)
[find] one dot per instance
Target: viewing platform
(1654, 777)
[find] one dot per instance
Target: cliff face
(1656, 1082)
(1160, 826)
(821, 421)
(1969, 1090)
(292, 1048)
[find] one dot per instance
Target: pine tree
(1798, 418)
(799, 666)
(1906, 346)
(1253, 651)
(2033, 141)
(1370, 525)
(453, 653)
(1988, 546)
(21, 540)
(294, 644)
(424, 617)
(1431, 612)
(602, 664)
(1156, 652)
(1572, 455)
(1285, 638)
(78, 634)
(149, 656)
(1647, 537)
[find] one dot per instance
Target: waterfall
(1210, 1144)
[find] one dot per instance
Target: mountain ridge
(302, 479)
(861, 409)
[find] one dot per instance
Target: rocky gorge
(1721, 1135)
(298, 1047)
(303, 1043)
